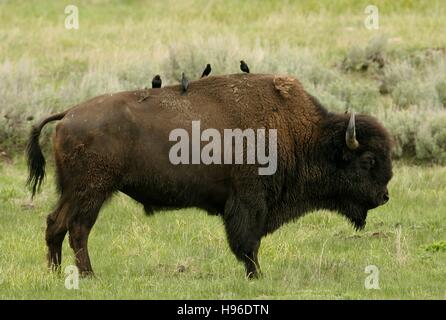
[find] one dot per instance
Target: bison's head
(359, 165)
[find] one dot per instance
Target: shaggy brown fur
(118, 142)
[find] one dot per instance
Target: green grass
(318, 256)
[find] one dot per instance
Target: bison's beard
(356, 215)
(359, 222)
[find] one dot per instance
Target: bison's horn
(350, 134)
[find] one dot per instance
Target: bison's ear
(347, 155)
(367, 160)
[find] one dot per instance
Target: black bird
(244, 66)
(206, 71)
(184, 83)
(156, 81)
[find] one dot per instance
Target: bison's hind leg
(56, 230)
(84, 212)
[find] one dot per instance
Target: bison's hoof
(87, 274)
(253, 275)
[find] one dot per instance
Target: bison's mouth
(376, 203)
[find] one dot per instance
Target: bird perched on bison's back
(244, 66)
(156, 81)
(206, 71)
(184, 83)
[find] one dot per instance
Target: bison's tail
(36, 161)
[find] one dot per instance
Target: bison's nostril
(386, 197)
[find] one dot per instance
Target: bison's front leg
(244, 225)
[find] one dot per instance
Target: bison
(120, 142)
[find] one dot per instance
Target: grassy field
(319, 256)
(120, 45)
